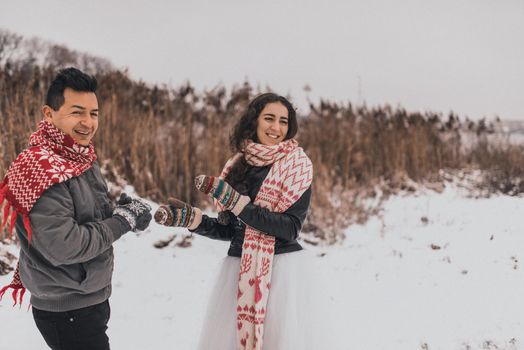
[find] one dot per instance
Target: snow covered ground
(434, 271)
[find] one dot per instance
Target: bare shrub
(160, 138)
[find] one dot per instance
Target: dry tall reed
(160, 138)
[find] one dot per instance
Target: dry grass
(158, 139)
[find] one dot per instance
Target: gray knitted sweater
(69, 262)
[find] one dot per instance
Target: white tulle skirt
(295, 305)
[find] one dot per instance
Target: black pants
(76, 329)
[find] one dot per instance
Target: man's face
(77, 117)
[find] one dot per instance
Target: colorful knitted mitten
(178, 213)
(223, 192)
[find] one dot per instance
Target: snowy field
(434, 271)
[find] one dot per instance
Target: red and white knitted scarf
(52, 157)
(289, 177)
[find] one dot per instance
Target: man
(65, 221)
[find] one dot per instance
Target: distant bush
(159, 138)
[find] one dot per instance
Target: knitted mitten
(178, 213)
(135, 211)
(124, 199)
(223, 192)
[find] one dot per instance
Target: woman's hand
(179, 214)
(223, 192)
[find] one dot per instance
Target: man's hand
(124, 199)
(135, 211)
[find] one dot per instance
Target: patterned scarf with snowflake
(52, 157)
(290, 176)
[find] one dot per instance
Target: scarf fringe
(14, 215)
(27, 226)
(3, 191)
(11, 214)
(7, 207)
(17, 286)
(17, 294)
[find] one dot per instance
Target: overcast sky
(439, 55)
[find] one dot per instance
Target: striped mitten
(179, 214)
(223, 192)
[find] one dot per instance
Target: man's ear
(47, 113)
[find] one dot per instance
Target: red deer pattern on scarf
(289, 177)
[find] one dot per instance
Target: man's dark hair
(68, 78)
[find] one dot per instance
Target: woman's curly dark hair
(246, 129)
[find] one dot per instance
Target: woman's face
(272, 124)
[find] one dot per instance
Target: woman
(261, 298)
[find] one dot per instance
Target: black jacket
(284, 226)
